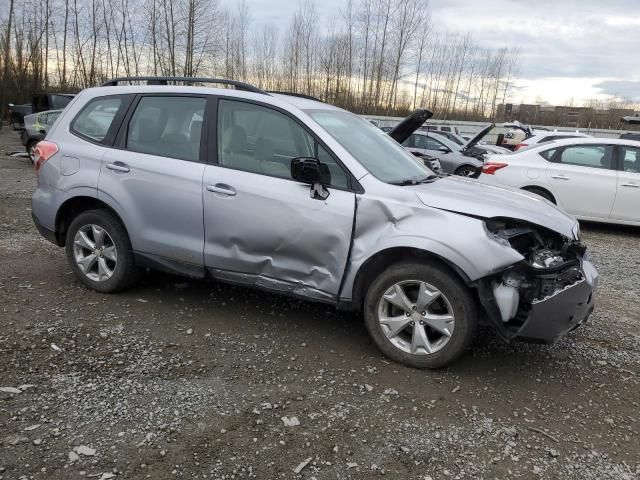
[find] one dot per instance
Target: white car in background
(548, 137)
(594, 179)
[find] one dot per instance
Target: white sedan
(596, 179)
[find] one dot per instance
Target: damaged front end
(548, 293)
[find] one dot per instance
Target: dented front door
(268, 231)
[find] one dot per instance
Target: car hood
(477, 137)
(473, 198)
(409, 124)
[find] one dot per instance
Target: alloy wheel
(416, 317)
(466, 172)
(95, 253)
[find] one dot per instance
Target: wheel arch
(544, 190)
(383, 259)
(73, 207)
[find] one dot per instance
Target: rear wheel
(542, 193)
(420, 314)
(466, 171)
(31, 150)
(99, 251)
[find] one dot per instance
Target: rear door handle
(632, 185)
(560, 177)
(118, 167)
(222, 189)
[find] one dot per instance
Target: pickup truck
(39, 103)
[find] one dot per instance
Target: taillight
(43, 152)
(490, 168)
(520, 145)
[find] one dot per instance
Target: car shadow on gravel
(326, 331)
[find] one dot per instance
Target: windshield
(382, 156)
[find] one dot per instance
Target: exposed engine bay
(552, 263)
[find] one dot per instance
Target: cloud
(624, 89)
(594, 42)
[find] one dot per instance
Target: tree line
(372, 56)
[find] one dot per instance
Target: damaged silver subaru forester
(295, 196)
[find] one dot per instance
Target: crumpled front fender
(460, 240)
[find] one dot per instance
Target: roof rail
(165, 81)
(291, 94)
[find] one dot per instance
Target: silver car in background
(298, 197)
(464, 160)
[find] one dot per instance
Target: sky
(569, 50)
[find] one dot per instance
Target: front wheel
(420, 314)
(99, 251)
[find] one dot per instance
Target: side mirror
(444, 149)
(309, 170)
(305, 170)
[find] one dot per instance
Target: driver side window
(259, 139)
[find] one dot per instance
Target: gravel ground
(182, 379)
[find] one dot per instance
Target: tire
(541, 193)
(31, 144)
(119, 262)
(454, 295)
(466, 171)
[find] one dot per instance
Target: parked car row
(593, 179)
(296, 196)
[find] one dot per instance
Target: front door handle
(222, 189)
(632, 185)
(560, 177)
(118, 167)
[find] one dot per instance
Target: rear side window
(411, 141)
(58, 102)
(167, 127)
(95, 119)
(594, 156)
(52, 117)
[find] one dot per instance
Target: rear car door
(583, 179)
(154, 175)
(261, 227)
(627, 203)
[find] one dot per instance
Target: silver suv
(298, 197)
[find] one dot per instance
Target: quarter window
(96, 118)
(262, 140)
(594, 156)
(548, 154)
(167, 127)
